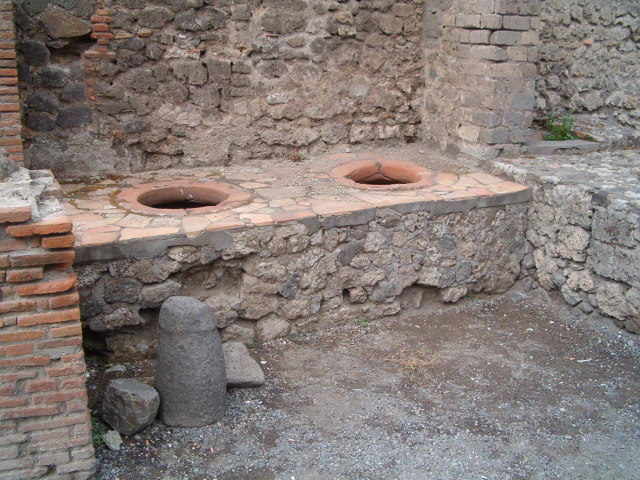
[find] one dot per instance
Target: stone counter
(303, 253)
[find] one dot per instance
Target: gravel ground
(494, 388)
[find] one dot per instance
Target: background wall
(193, 82)
(589, 58)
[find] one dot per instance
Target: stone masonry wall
(480, 74)
(264, 282)
(584, 230)
(44, 423)
(193, 82)
(589, 58)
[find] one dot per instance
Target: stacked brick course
(481, 88)
(44, 424)
(10, 130)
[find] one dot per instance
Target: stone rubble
(242, 370)
(129, 406)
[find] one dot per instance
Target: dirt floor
(493, 388)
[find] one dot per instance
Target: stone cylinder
(190, 369)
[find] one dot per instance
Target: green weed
(97, 430)
(559, 128)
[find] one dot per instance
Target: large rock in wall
(264, 282)
(216, 82)
(589, 58)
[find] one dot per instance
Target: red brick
(46, 227)
(64, 331)
(34, 242)
(4, 261)
(16, 377)
(13, 402)
(52, 434)
(11, 244)
(73, 357)
(51, 424)
(100, 19)
(62, 342)
(25, 275)
(33, 361)
(45, 288)
(8, 72)
(8, 321)
(64, 300)
(65, 371)
(9, 141)
(19, 336)
(41, 386)
(73, 383)
(9, 107)
(14, 148)
(7, 390)
(17, 306)
(58, 316)
(52, 398)
(34, 259)
(58, 241)
(15, 214)
(19, 349)
(60, 267)
(104, 36)
(30, 412)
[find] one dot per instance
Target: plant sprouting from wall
(559, 128)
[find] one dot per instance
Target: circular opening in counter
(182, 197)
(383, 174)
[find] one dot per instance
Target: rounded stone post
(190, 369)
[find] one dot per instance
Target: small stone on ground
(129, 405)
(242, 370)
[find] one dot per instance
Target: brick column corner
(45, 429)
(10, 128)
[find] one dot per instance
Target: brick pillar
(44, 420)
(481, 73)
(10, 129)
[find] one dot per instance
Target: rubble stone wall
(589, 58)
(264, 282)
(583, 231)
(44, 422)
(155, 84)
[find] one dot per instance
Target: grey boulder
(129, 405)
(242, 370)
(190, 371)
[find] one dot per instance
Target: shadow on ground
(492, 389)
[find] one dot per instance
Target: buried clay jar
(182, 197)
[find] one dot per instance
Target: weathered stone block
(129, 405)
(242, 370)
(190, 369)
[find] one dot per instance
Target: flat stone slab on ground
(546, 147)
(242, 370)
